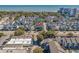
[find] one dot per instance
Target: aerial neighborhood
(39, 32)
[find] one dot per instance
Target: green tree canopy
(70, 34)
(50, 33)
(1, 34)
(40, 37)
(43, 33)
(19, 32)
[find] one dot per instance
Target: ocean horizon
(35, 8)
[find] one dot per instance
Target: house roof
(55, 47)
(20, 40)
(39, 24)
(39, 20)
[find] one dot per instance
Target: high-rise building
(68, 12)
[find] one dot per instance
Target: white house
(19, 42)
(27, 40)
(1, 26)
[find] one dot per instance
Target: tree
(54, 14)
(38, 50)
(50, 33)
(40, 37)
(19, 32)
(22, 28)
(1, 34)
(17, 17)
(55, 20)
(43, 33)
(70, 34)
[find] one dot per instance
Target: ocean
(35, 8)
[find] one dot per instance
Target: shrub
(19, 32)
(38, 50)
(1, 34)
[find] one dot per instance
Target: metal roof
(20, 40)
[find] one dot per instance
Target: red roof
(39, 24)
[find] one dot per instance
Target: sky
(35, 8)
